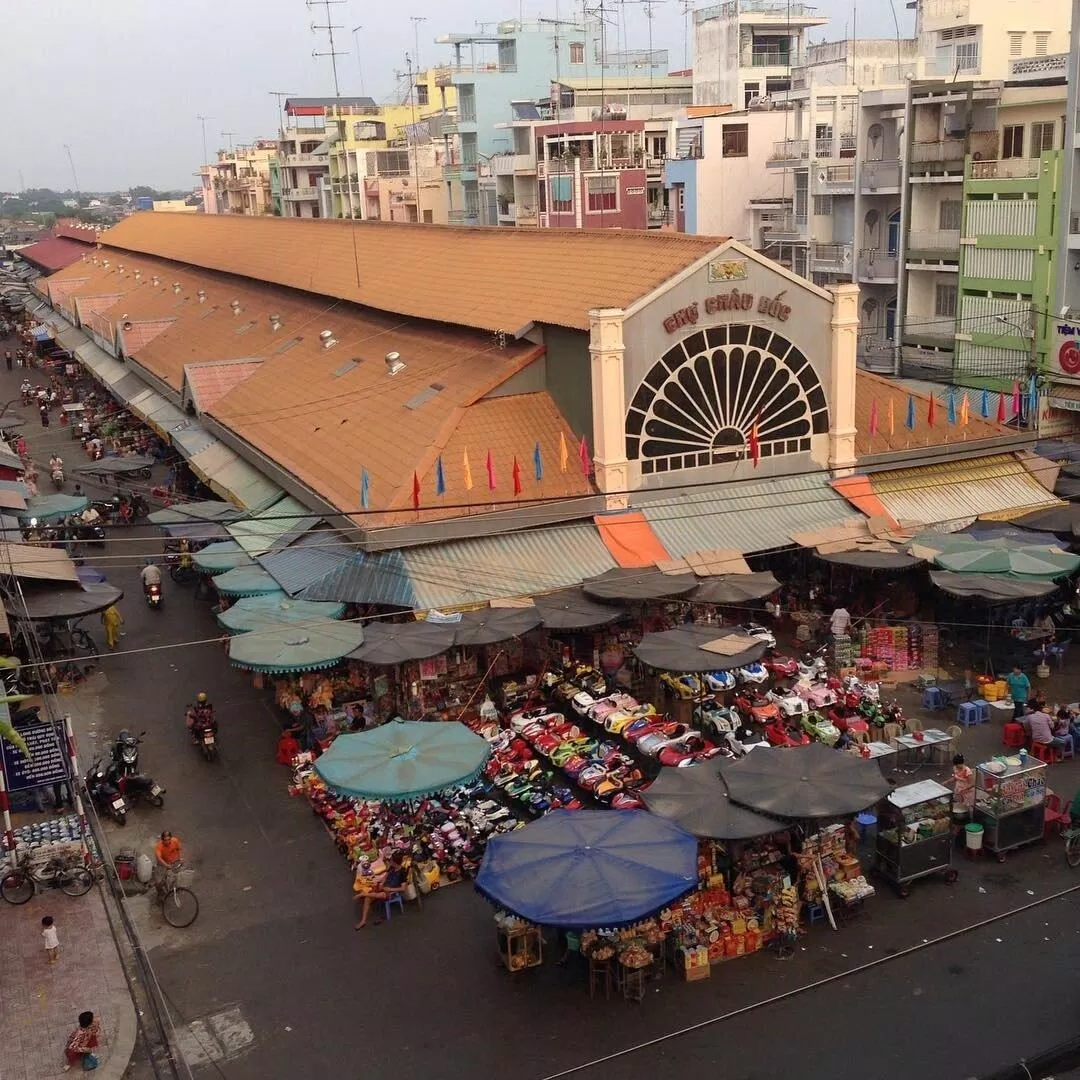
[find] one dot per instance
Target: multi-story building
(1067, 297)
(745, 49)
(239, 181)
(403, 184)
(512, 63)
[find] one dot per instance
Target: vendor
(963, 782)
(287, 748)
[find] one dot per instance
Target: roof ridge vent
(326, 337)
(394, 363)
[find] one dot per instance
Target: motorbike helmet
(201, 698)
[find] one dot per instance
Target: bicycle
(1072, 845)
(25, 879)
(179, 905)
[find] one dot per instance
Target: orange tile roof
(209, 383)
(491, 278)
(139, 334)
(873, 388)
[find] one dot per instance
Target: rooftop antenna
(202, 120)
(416, 20)
(230, 135)
(71, 162)
(329, 27)
(416, 140)
(280, 96)
(687, 14)
(359, 60)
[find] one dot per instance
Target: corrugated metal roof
(234, 479)
(367, 579)
(276, 526)
(953, 491)
(307, 560)
(192, 438)
(747, 516)
(100, 363)
(71, 338)
(127, 386)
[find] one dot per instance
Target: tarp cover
(589, 868)
(571, 609)
(201, 510)
(1058, 519)
(805, 782)
(246, 581)
(404, 759)
(734, 588)
(683, 650)
(220, 557)
(66, 603)
(698, 799)
(873, 560)
(488, 626)
(647, 584)
(58, 505)
(993, 588)
(398, 643)
(117, 466)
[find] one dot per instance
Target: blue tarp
(589, 868)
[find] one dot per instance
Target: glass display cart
(1010, 803)
(914, 837)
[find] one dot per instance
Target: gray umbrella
(488, 626)
(65, 603)
(993, 588)
(734, 588)
(682, 650)
(1057, 519)
(697, 798)
(571, 609)
(117, 466)
(397, 643)
(646, 584)
(811, 781)
(873, 560)
(1067, 487)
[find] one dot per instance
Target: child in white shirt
(52, 941)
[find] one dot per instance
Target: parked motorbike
(125, 751)
(152, 594)
(182, 574)
(135, 786)
(86, 532)
(104, 794)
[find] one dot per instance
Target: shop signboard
(47, 763)
(1065, 348)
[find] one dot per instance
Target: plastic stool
(815, 913)
(1014, 736)
(982, 710)
(967, 713)
(1069, 749)
(1051, 755)
(395, 898)
(933, 698)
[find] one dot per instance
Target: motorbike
(105, 795)
(125, 751)
(86, 532)
(57, 475)
(182, 574)
(204, 734)
(134, 786)
(152, 594)
(813, 666)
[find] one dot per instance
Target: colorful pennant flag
(1001, 409)
(564, 457)
(965, 406)
(466, 470)
(583, 457)
(892, 418)
(415, 491)
(440, 477)
(909, 423)
(931, 406)
(951, 414)
(1016, 398)
(755, 444)
(538, 463)
(490, 471)
(1033, 400)
(515, 473)
(365, 489)
(984, 406)
(873, 419)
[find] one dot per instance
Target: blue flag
(984, 406)
(1033, 400)
(909, 423)
(538, 463)
(440, 477)
(952, 408)
(365, 489)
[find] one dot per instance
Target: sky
(123, 82)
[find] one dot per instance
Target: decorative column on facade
(609, 405)
(844, 338)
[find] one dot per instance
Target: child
(52, 941)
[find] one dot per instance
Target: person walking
(49, 936)
(8, 358)
(82, 1043)
(1019, 691)
(112, 620)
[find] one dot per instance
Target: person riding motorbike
(151, 575)
(200, 716)
(186, 562)
(26, 390)
(56, 467)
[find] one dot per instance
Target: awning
(958, 491)
(41, 333)
(100, 364)
(747, 516)
(71, 338)
(156, 410)
(630, 540)
(276, 526)
(229, 476)
(307, 560)
(37, 563)
(191, 438)
(126, 387)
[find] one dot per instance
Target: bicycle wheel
(17, 887)
(84, 642)
(1072, 850)
(77, 882)
(180, 906)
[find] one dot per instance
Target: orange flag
(964, 406)
(892, 418)
(466, 470)
(564, 456)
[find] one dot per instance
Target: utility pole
(230, 135)
(71, 162)
(205, 155)
(329, 27)
(416, 141)
(416, 20)
(279, 96)
(359, 59)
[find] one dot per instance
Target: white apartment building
(1068, 284)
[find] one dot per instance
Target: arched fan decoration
(696, 406)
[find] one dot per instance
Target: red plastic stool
(1044, 752)
(1014, 736)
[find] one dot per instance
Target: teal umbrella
(222, 556)
(404, 759)
(320, 643)
(1045, 562)
(273, 610)
(246, 581)
(57, 505)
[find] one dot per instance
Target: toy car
(717, 721)
(781, 667)
(687, 749)
(652, 743)
(753, 673)
(815, 725)
(789, 703)
(761, 633)
(754, 706)
(719, 681)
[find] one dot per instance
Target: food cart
(914, 836)
(1010, 803)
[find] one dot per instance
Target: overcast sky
(122, 81)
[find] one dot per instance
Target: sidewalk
(40, 1002)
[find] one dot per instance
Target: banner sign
(47, 763)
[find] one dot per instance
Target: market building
(525, 427)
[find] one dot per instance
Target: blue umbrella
(271, 611)
(589, 868)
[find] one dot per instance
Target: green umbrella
(1026, 561)
(274, 610)
(222, 556)
(246, 581)
(320, 643)
(403, 759)
(58, 505)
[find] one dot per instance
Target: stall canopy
(1000, 532)
(571, 609)
(488, 626)
(631, 585)
(306, 560)
(387, 644)
(37, 563)
(222, 556)
(61, 603)
(246, 581)
(698, 648)
(979, 558)
(589, 868)
(58, 505)
(202, 510)
(993, 588)
(812, 781)
(90, 575)
(100, 364)
(734, 588)
(698, 799)
(117, 466)
(274, 610)
(277, 526)
(319, 643)
(229, 476)
(1064, 519)
(403, 760)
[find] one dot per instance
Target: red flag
(930, 411)
(516, 474)
(755, 445)
(873, 419)
(491, 471)
(583, 455)
(1001, 409)
(415, 492)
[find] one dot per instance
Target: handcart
(914, 837)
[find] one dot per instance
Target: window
(562, 195)
(735, 140)
(429, 217)
(603, 193)
(1042, 42)
(421, 94)
(751, 90)
(1016, 42)
(945, 301)
(823, 205)
(577, 52)
(1012, 141)
(1042, 137)
(967, 56)
(949, 214)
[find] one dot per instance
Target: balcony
(662, 217)
(459, 171)
(300, 194)
(463, 217)
(937, 152)
(833, 180)
(1007, 169)
(784, 227)
(876, 356)
(831, 258)
(568, 164)
(506, 164)
(842, 146)
(450, 127)
(878, 266)
(933, 332)
(880, 177)
(305, 159)
(525, 215)
(762, 11)
(789, 152)
(771, 58)
(506, 210)
(936, 244)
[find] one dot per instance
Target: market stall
(274, 610)
(1010, 803)
(914, 834)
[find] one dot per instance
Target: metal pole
(359, 60)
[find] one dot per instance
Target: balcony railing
(876, 265)
(525, 214)
(506, 209)
(570, 163)
(767, 9)
(841, 146)
(872, 355)
(772, 58)
(784, 225)
(300, 193)
(790, 150)
(937, 329)
(877, 175)
(943, 241)
(660, 217)
(937, 151)
(305, 159)
(831, 258)
(833, 180)
(1007, 169)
